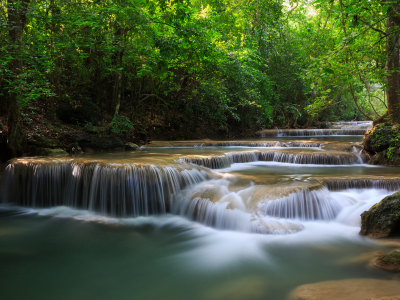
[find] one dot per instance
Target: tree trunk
(16, 23)
(392, 71)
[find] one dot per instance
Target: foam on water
(214, 249)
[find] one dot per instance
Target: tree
(17, 10)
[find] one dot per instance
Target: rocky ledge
(382, 144)
(382, 219)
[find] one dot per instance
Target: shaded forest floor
(36, 121)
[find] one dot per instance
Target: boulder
(50, 152)
(382, 219)
(381, 142)
(378, 138)
(349, 289)
(390, 262)
(385, 158)
(74, 148)
(92, 143)
(131, 147)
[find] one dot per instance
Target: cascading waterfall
(115, 189)
(310, 132)
(304, 205)
(269, 144)
(308, 158)
(348, 183)
(219, 208)
(226, 160)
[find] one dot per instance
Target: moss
(392, 259)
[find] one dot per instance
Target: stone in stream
(390, 262)
(382, 219)
(349, 289)
(131, 147)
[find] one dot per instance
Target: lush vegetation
(184, 63)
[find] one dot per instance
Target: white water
(212, 248)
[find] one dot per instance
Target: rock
(87, 112)
(378, 138)
(131, 146)
(382, 219)
(74, 148)
(49, 152)
(382, 158)
(390, 262)
(350, 289)
(92, 143)
(45, 142)
(382, 143)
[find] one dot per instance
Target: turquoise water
(47, 257)
(66, 253)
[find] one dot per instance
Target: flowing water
(249, 219)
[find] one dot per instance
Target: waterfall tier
(115, 189)
(309, 132)
(321, 158)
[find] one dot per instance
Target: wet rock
(382, 143)
(390, 262)
(91, 143)
(382, 219)
(378, 138)
(50, 152)
(385, 158)
(74, 148)
(87, 112)
(131, 147)
(44, 142)
(350, 289)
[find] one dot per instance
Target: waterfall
(310, 132)
(226, 160)
(268, 144)
(304, 205)
(212, 204)
(348, 183)
(115, 189)
(222, 161)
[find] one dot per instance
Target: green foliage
(121, 124)
(257, 62)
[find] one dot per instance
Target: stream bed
(189, 222)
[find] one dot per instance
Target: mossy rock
(50, 152)
(131, 147)
(379, 138)
(389, 262)
(45, 142)
(382, 219)
(384, 158)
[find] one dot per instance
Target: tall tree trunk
(16, 23)
(392, 70)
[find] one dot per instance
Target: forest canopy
(250, 63)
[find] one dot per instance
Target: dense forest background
(181, 69)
